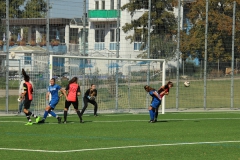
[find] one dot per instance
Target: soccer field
(187, 136)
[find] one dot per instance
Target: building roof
(36, 21)
(78, 21)
(28, 49)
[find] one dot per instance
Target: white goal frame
(116, 59)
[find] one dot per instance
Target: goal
(119, 81)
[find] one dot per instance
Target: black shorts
(68, 103)
(27, 104)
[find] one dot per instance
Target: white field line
(122, 147)
(195, 119)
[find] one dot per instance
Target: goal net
(119, 81)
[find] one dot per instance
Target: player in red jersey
(28, 96)
(163, 90)
(73, 90)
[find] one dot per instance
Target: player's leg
(94, 103)
(151, 113)
(27, 104)
(48, 110)
(75, 105)
(67, 105)
(20, 106)
(85, 101)
(156, 112)
(152, 109)
(53, 105)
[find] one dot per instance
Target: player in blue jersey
(53, 89)
(156, 101)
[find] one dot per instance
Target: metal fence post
(149, 47)
(233, 37)
(7, 55)
(205, 59)
(117, 52)
(178, 53)
(84, 47)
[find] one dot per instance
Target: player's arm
(156, 95)
(24, 90)
(166, 93)
(64, 93)
(47, 95)
(78, 91)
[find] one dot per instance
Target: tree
(22, 9)
(35, 9)
(15, 10)
(163, 26)
(219, 30)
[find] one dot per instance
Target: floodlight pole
(149, 47)
(84, 46)
(178, 53)
(7, 55)
(205, 59)
(50, 65)
(117, 52)
(233, 38)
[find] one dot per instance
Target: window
(137, 39)
(27, 59)
(113, 25)
(100, 26)
(103, 5)
(102, 35)
(97, 5)
(112, 34)
(112, 4)
(99, 35)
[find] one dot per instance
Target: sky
(67, 8)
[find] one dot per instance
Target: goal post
(132, 76)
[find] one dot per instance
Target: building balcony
(102, 15)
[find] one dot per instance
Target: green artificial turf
(187, 136)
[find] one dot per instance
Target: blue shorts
(155, 104)
(53, 103)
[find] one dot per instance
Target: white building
(102, 38)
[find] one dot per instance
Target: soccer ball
(186, 84)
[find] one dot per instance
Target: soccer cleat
(59, 119)
(96, 115)
(28, 124)
(81, 121)
(151, 121)
(65, 122)
(42, 121)
(37, 119)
